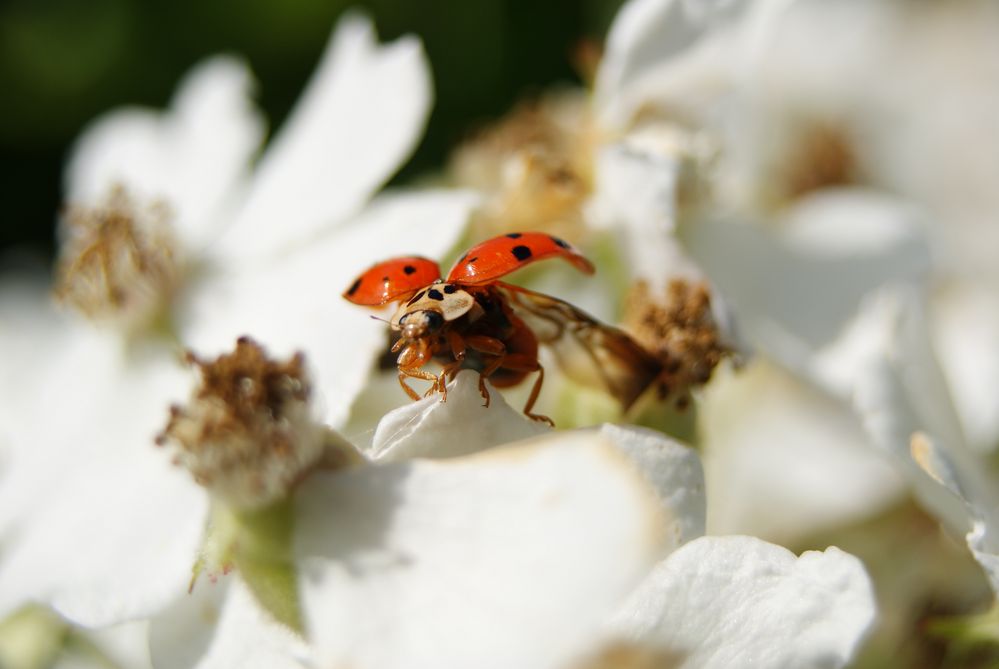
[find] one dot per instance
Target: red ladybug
(471, 320)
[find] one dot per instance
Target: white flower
(714, 601)
(81, 477)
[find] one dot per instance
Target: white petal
(461, 426)
(359, 118)
(822, 258)
(504, 559)
(115, 543)
(966, 331)
(785, 460)
(650, 35)
(901, 393)
(221, 625)
(294, 303)
(741, 602)
(980, 513)
(672, 470)
(191, 157)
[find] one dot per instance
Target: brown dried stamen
(247, 432)
(117, 263)
(681, 331)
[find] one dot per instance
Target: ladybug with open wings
(471, 320)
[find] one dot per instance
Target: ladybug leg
(410, 361)
(491, 346)
(457, 344)
(521, 362)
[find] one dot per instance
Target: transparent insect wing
(391, 280)
(590, 352)
(447, 299)
(499, 256)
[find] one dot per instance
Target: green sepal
(258, 543)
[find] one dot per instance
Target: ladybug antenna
(378, 318)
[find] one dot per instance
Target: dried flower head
(536, 166)
(681, 331)
(247, 433)
(119, 263)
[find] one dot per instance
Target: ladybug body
(472, 320)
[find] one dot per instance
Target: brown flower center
(247, 432)
(681, 331)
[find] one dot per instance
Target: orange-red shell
(499, 256)
(391, 280)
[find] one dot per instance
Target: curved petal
(220, 625)
(510, 558)
(359, 118)
(190, 157)
(649, 35)
(902, 393)
(785, 460)
(741, 602)
(116, 543)
(674, 473)
(294, 304)
(822, 258)
(431, 428)
(965, 320)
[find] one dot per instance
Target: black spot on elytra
(415, 298)
(450, 288)
(385, 279)
(435, 294)
(559, 242)
(471, 260)
(521, 253)
(514, 235)
(408, 269)
(353, 287)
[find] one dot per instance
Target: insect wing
(499, 256)
(589, 351)
(391, 280)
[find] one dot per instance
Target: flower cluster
(206, 459)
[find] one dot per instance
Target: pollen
(247, 432)
(535, 165)
(681, 331)
(119, 262)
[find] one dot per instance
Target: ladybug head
(420, 323)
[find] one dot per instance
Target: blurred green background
(62, 62)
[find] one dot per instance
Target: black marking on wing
(521, 252)
(354, 286)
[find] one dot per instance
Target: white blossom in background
(167, 192)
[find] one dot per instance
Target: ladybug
(472, 320)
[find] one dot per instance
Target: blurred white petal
(965, 321)
(828, 252)
(505, 559)
(902, 392)
(649, 37)
(740, 602)
(293, 303)
(785, 460)
(192, 157)
(117, 542)
(219, 626)
(359, 118)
